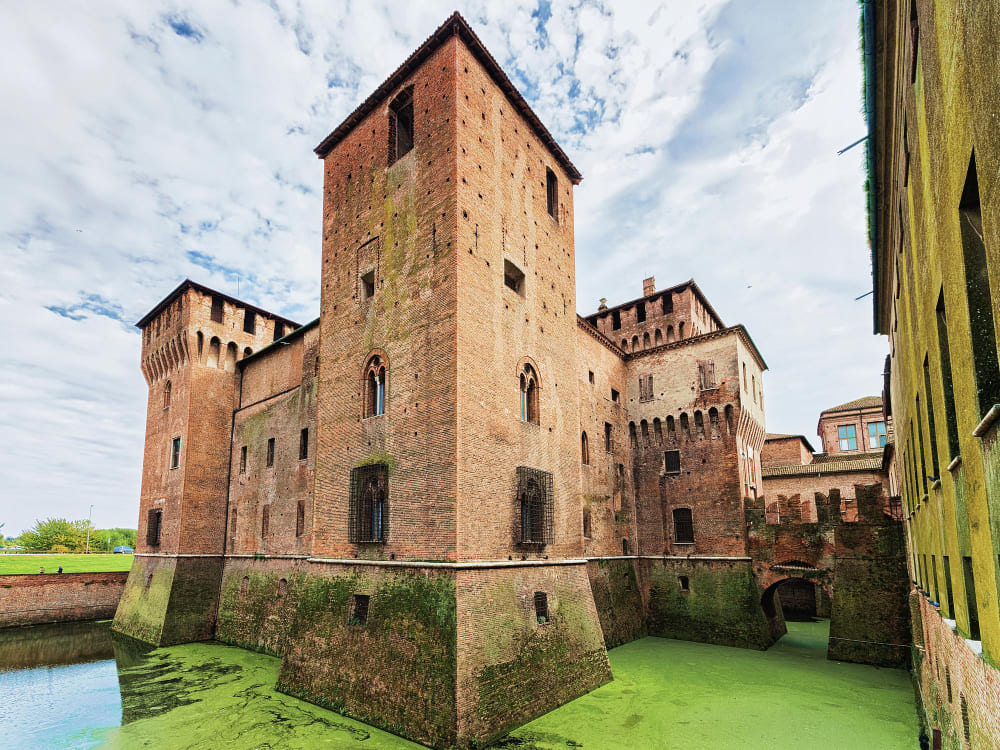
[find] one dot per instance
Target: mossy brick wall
(58, 597)
(618, 598)
(511, 668)
(396, 672)
(947, 658)
(722, 606)
(170, 600)
(253, 611)
(869, 621)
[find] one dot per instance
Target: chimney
(648, 286)
(604, 305)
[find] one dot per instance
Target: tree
(56, 531)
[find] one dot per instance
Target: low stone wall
(956, 685)
(58, 597)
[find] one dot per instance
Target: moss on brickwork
(251, 612)
(618, 600)
(722, 605)
(397, 671)
(142, 609)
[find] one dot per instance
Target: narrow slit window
(270, 452)
(584, 449)
(243, 459)
(970, 598)
(166, 394)
(930, 420)
(175, 453)
(944, 351)
(303, 444)
(608, 437)
(541, 607)
(300, 518)
(401, 125)
(586, 523)
(979, 295)
(551, 194)
(265, 521)
(513, 277)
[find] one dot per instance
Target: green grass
(21, 564)
(674, 694)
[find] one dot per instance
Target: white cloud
(146, 142)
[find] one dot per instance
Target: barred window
(368, 520)
(534, 504)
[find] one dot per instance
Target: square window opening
(672, 462)
(249, 321)
(513, 277)
(360, 604)
(217, 309)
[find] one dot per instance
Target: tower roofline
(455, 25)
(659, 293)
(189, 284)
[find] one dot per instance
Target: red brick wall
(688, 313)
(860, 418)
(785, 451)
(946, 657)
(808, 485)
(400, 220)
(58, 597)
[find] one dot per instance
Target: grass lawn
(71, 563)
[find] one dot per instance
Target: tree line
(60, 535)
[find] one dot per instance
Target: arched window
(683, 526)
(375, 387)
(624, 345)
(657, 430)
(368, 516)
(529, 395)
(729, 418)
(645, 341)
(201, 345)
(585, 449)
(680, 330)
(231, 353)
(644, 428)
(671, 429)
(670, 333)
(658, 337)
(247, 352)
(699, 425)
(534, 498)
(401, 125)
(633, 440)
(685, 426)
(214, 347)
(713, 418)
(166, 395)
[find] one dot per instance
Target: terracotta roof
(865, 402)
(188, 284)
(825, 463)
(455, 25)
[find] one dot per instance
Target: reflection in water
(48, 645)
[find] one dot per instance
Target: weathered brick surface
(785, 451)
(58, 597)
(618, 598)
(829, 422)
(947, 671)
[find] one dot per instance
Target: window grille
(672, 462)
(541, 607)
(534, 506)
(368, 520)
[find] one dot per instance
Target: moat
(72, 686)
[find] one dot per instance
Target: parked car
(123, 550)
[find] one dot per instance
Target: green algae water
(71, 686)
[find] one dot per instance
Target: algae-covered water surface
(71, 686)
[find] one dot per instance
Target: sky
(149, 142)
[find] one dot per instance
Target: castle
(443, 500)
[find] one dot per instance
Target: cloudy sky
(149, 142)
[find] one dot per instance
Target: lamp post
(89, 515)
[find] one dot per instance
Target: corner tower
(191, 342)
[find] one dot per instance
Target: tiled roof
(865, 402)
(828, 463)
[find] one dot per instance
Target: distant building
(932, 87)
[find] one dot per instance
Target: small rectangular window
(359, 610)
(249, 321)
(270, 451)
(616, 320)
(706, 375)
(551, 194)
(847, 434)
(541, 607)
(300, 518)
(609, 444)
(401, 125)
(154, 527)
(876, 435)
(217, 309)
(672, 462)
(175, 453)
(279, 330)
(590, 376)
(304, 444)
(368, 285)
(243, 459)
(640, 312)
(513, 277)
(614, 395)
(683, 526)
(667, 303)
